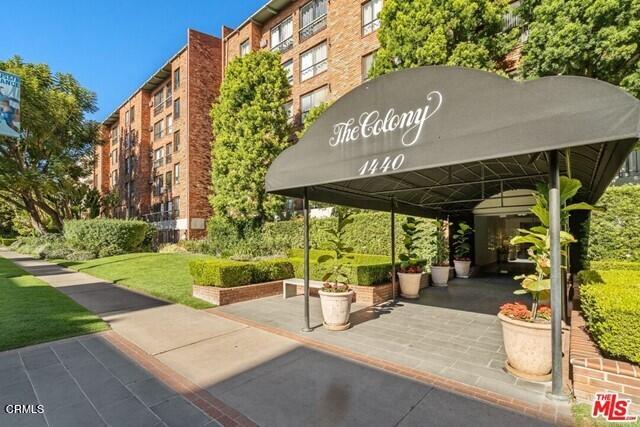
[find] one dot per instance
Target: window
(370, 12)
(176, 205)
(176, 108)
(158, 157)
(176, 78)
(282, 35)
(176, 140)
(157, 130)
(169, 123)
(168, 95)
(176, 173)
(114, 179)
(244, 47)
(114, 135)
(132, 114)
(288, 108)
(313, 61)
(367, 64)
(168, 150)
(127, 118)
(128, 165)
(168, 180)
(157, 185)
(288, 68)
(114, 156)
(313, 18)
(312, 99)
(158, 103)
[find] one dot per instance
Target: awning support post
(393, 248)
(305, 204)
(556, 278)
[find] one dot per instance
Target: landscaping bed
(32, 312)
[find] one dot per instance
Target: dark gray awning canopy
(440, 139)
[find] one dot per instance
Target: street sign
(9, 104)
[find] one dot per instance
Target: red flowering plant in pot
(527, 332)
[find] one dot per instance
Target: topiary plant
(441, 257)
(336, 279)
(461, 238)
(413, 234)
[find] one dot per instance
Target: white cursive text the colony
(373, 123)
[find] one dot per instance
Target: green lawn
(32, 312)
(165, 276)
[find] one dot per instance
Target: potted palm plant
(440, 266)
(335, 295)
(462, 249)
(411, 272)
(527, 332)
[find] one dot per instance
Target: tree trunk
(34, 215)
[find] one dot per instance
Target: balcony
(284, 46)
(162, 216)
(158, 108)
(313, 70)
(158, 162)
(318, 25)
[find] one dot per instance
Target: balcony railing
(284, 45)
(158, 108)
(167, 102)
(313, 70)
(310, 29)
(162, 216)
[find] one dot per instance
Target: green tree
(312, 116)
(250, 130)
(466, 33)
(598, 39)
(40, 171)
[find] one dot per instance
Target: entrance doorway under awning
(436, 141)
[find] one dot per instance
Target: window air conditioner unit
(263, 43)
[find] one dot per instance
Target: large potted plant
(411, 272)
(335, 295)
(527, 332)
(440, 267)
(462, 250)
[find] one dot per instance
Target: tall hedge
(368, 234)
(106, 237)
(614, 231)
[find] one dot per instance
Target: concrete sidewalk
(271, 379)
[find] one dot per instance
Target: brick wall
(225, 296)
(205, 75)
(593, 373)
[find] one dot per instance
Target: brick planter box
(225, 296)
(593, 373)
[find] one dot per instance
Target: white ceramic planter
(440, 275)
(462, 268)
(528, 348)
(410, 284)
(336, 308)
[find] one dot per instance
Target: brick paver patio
(452, 333)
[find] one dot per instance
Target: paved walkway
(272, 380)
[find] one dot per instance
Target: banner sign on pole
(9, 104)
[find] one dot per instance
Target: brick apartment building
(157, 143)
(156, 150)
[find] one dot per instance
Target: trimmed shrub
(272, 269)
(46, 246)
(172, 248)
(94, 235)
(220, 273)
(614, 232)
(111, 250)
(81, 256)
(5, 241)
(611, 264)
(610, 301)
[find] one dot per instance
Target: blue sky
(112, 47)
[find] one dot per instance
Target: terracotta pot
(528, 348)
(440, 275)
(462, 268)
(410, 284)
(336, 309)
